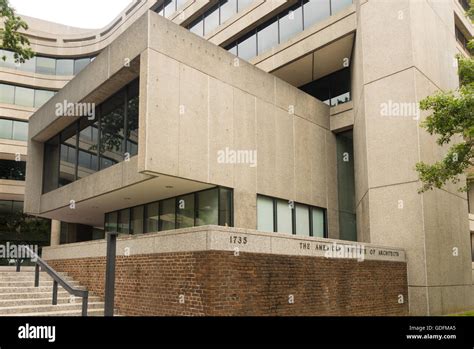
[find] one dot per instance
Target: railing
(57, 279)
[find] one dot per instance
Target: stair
(19, 297)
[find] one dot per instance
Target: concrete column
(55, 232)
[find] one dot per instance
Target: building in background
(307, 125)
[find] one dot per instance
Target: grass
(467, 313)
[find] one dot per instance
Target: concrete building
(266, 118)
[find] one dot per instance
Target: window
(247, 48)
(332, 89)
(24, 96)
(132, 119)
(243, 4)
(152, 217)
(8, 207)
(20, 131)
(65, 67)
(7, 94)
(167, 214)
(315, 11)
(228, 9)
(338, 5)
(42, 96)
(170, 8)
(68, 165)
(45, 65)
(80, 64)
(111, 222)
(185, 212)
(265, 214)
(207, 207)
(197, 27)
(88, 153)
(112, 130)
(12, 170)
(6, 128)
(276, 215)
(211, 20)
(291, 23)
(268, 37)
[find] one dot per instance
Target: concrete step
(29, 276)
(13, 289)
(31, 309)
(32, 283)
(13, 268)
(46, 300)
(32, 295)
(90, 312)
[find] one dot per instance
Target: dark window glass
(20, 131)
(88, 148)
(51, 165)
(6, 129)
(267, 37)
(207, 207)
(67, 168)
(315, 11)
(124, 221)
(7, 94)
(211, 20)
(185, 211)
(228, 9)
(332, 89)
(136, 224)
(112, 130)
(167, 214)
(45, 65)
(5, 207)
(197, 27)
(132, 119)
(152, 217)
(225, 207)
(291, 23)
(17, 206)
(338, 5)
(24, 96)
(248, 47)
(13, 170)
(65, 67)
(80, 64)
(111, 224)
(42, 96)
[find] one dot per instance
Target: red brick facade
(220, 283)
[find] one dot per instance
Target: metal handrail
(57, 279)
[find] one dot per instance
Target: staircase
(19, 297)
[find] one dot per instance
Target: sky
(90, 14)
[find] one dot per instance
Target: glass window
(197, 27)
(124, 221)
(207, 207)
(132, 119)
(67, 168)
(42, 96)
(65, 67)
(284, 217)
(20, 131)
(137, 220)
(243, 4)
(291, 24)
(7, 94)
(185, 211)
(248, 47)
(111, 222)
(167, 214)
(152, 217)
(233, 50)
(268, 37)
(10, 60)
(211, 20)
(45, 65)
(180, 3)
(51, 165)
(302, 219)
(88, 159)
(17, 207)
(228, 9)
(28, 66)
(170, 8)
(265, 214)
(24, 96)
(315, 11)
(80, 64)
(317, 216)
(12, 170)
(112, 124)
(225, 207)
(338, 5)
(6, 128)
(5, 207)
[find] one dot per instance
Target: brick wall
(219, 283)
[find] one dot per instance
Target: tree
(452, 119)
(11, 37)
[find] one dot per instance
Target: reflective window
(67, 168)
(80, 64)
(12, 170)
(244, 3)
(51, 164)
(45, 65)
(20, 131)
(225, 207)
(211, 20)
(167, 214)
(291, 23)
(28, 66)
(247, 48)
(136, 224)
(197, 27)
(268, 37)
(317, 218)
(88, 161)
(170, 8)
(152, 217)
(112, 130)
(132, 119)
(111, 222)
(207, 207)
(228, 9)
(338, 5)
(124, 221)
(24, 96)
(42, 96)
(284, 217)
(315, 11)
(65, 67)
(6, 129)
(265, 214)
(332, 89)
(7, 94)
(302, 220)
(185, 212)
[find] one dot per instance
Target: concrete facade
(197, 99)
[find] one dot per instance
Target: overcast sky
(77, 13)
